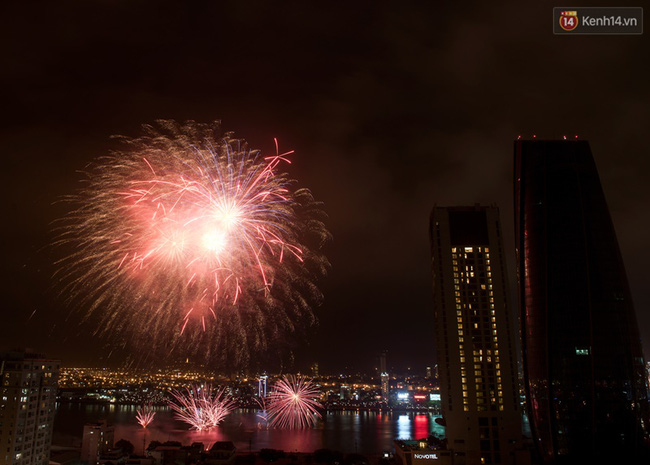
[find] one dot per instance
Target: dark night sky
(390, 107)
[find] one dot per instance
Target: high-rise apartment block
(583, 360)
(474, 337)
(28, 383)
(97, 440)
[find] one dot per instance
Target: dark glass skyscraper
(583, 361)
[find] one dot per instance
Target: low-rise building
(421, 453)
(221, 453)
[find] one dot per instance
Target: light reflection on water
(349, 431)
(404, 427)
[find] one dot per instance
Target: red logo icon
(569, 20)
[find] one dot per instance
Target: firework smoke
(201, 408)
(293, 403)
(145, 415)
(187, 240)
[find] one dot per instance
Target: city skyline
(386, 119)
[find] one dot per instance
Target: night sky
(390, 108)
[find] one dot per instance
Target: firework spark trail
(184, 240)
(293, 403)
(145, 415)
(201, 408)
(189, 408)
(262, 413)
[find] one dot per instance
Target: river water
(349, 431)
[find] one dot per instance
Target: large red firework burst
(185, 239)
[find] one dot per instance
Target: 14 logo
(569, 20)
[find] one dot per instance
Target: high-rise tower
(384, 377)
(97, 440)
(582, 355)
(474, 336)
(262, 386)
(28, 383)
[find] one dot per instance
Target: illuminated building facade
(582, 355)
(420, 453)
(384, 377)
(28, 383)
(474, 336)
(261, 386)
